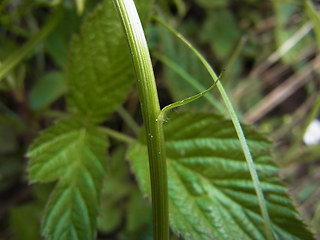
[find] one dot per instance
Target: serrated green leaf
(73, 153)
(99, 71)
(211, 195)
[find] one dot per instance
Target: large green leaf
(211, 195)
(100, 72)
(74, 154)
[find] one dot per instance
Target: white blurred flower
(312, 135)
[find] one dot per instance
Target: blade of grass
(238, 128)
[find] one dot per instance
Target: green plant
(197, 167)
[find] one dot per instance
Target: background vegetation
(267, 51)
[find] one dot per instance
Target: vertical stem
(150, 110)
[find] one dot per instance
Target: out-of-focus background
(266, 51)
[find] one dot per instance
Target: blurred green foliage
(32, 97)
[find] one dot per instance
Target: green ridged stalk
(150, 110)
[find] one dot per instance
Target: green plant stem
(117, 135)
(150, 110)
(238, 128)
(14, 59)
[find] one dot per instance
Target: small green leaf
(99, 71)
(211, 195)
(47, 90)
(73, 153)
